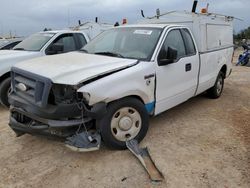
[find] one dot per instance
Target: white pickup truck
(120, 78)
(39, 44)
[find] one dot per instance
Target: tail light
(124, 21)
(204, 11)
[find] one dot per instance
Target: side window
(174, 40)
(189, 43)
(62, 44)
(82, 40)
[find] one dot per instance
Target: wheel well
(224, 70)
(137, 97)
(3, 77)
(130, 96)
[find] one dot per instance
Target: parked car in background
(37, 45)
(121, 77)
(10, 43)
(2, 41)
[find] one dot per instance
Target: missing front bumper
(24, 122)
(76, 139)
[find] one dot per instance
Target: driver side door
(176, 82)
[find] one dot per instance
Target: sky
(24, 17)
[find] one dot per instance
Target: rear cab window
(81, 40)
(189, 43)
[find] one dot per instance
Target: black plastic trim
(48, 122)
(39, 79)
(21, 129)
(58, 111)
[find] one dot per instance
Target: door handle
(188, 67)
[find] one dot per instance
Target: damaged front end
(40, 107)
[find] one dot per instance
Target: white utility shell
(211, 31)
(92, 29)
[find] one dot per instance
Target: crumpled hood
(74, 67)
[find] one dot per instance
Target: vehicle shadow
(2, 108)
(180, 111)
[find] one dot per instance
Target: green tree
(244, 34)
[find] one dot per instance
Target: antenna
(142, 14)
(194, 6)
(68, 17)
(207, 7)
(158, 13)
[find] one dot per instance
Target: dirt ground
(201, 143)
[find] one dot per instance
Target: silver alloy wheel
(126, 124)
(219, 85)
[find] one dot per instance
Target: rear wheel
(216, 91)
(245, 61)
(5, 88)
(126, 119)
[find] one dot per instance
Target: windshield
(34, 42)
(3, 42)
(133, 42)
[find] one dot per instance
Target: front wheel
(5, 88)
(216, 91)
(126, 119)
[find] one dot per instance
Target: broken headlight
(86, 96)
(62, 94)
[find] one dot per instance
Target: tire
(240, 56)
(245, 61)
(125, 119)
(5, 87)
(216, 91)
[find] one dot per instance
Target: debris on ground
(144, 157)
(84, 142)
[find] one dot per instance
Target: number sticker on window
(48, 35)
(143, 32)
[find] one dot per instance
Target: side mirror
(168, 57)
(55, 48)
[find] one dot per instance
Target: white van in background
(92, 29)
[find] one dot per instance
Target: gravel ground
(201, 143)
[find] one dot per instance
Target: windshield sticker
(143, 32)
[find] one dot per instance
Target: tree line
(244, 34)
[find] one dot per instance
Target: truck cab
(114, 84)
(37, 45)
